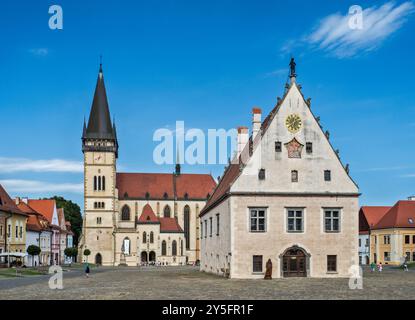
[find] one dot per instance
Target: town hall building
(136, 218)
(285, 198)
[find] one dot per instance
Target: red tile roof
(369, 216)
(401, 215)
(44, 207)
(7, 204)
(148, 216)
(160, 185)
(36, 221)
(223, 188)
(168, 225)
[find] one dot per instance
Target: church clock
(293, 123)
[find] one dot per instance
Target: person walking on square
(372, 267)
(405, 266)
(380, 267)
(87, 270)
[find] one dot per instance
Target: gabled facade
(49, 210)
(12, 225)
(113, 202)
(38, 234)
(285, 197)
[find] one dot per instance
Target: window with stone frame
(261, 174)
(211, 226)
(327, 175)
(331, 263)
(387, 239)
(294, 176)
(278, 146)
(295, 220)
(217, 224)
(258, 219)
(331, 220)
(309, 147)
(257, 263)
(407, 239)
(125, 213)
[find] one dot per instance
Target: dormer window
(147, 195)
(186, 196)
(309, 147)
(165, 195)
(261, 174)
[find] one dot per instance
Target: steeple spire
(99, 124)
(293, 75)
(178, 166)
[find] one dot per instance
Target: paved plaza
(187, 283)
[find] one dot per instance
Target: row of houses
(387, 234)
(25, 222)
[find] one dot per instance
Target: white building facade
(286, 198)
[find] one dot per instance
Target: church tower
(100, 149)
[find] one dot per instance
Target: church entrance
(294, 262)
(152, 256)
(98, 259)
(144, 257)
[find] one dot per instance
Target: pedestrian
(405, 266)
(372, 267)
(380, 267)
(87, 270)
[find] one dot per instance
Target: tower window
(309, 147)
(327, 175)
(278, 146)
(95, 183)
(103, 183)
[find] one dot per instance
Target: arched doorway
(144, 257)
(98, 259)
(152, 256)
(295, 262)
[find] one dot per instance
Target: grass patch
(10, 273)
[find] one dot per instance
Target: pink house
(48, 209)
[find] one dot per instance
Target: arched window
(151, 237)
(187, 226)
(144, 237)
(174, 248)
(95, 183)
(167, 212)
(125, 213)
(164, 248)
(126, 246)
(103, 183)
(99, 183)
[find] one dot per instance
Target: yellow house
(14, 224)
(393, 237)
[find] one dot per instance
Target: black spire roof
(99, 124)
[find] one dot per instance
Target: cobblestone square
(187, 283)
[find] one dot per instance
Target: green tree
(71, 252)
(33, 251)
(87, 252)
(72, 214)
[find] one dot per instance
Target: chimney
(256, 121)
(17, 200)
(243, 138)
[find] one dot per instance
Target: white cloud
(334, 36)
(33, 186)
(9, 165)
(392, 168)
(40, 52)
(277, 73)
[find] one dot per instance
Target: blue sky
(206, 63)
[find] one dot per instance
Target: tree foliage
(33, 250)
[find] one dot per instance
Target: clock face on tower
(98, 158)
(293, 123)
